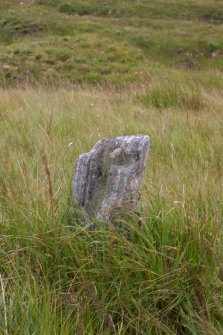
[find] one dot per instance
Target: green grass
(165, 277)
(106, 41)
(71, 73)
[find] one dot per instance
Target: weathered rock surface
(107, 179)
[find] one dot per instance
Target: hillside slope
(107, 41)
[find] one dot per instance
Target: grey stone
(107, 179)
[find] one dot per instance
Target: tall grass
(166, 276)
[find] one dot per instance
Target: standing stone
(107, 179)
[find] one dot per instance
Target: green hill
(106, 41)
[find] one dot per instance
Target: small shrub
(12, 26)
(214, 46)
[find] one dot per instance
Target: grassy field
(166, 277)
(72, 73)
(106, 41)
